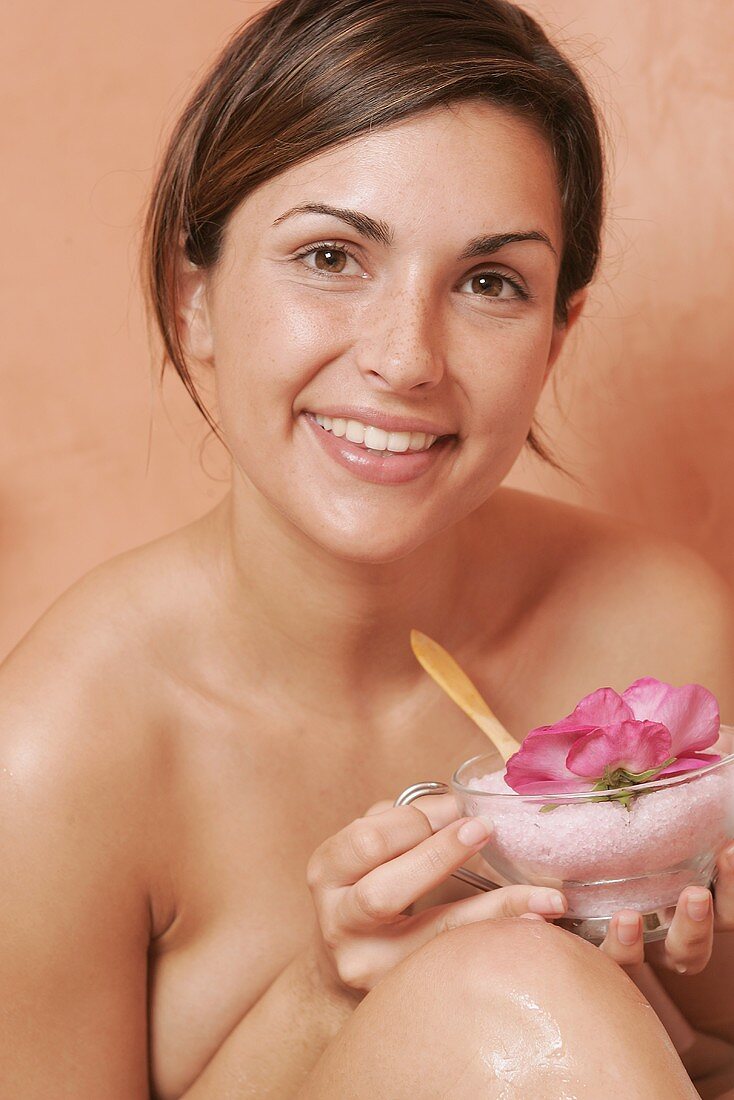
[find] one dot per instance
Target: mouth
(375, 439)
(376, 454)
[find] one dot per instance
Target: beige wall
(645, 406)
(92, 462)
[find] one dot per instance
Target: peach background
(94, 460)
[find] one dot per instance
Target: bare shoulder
(90, 644)
(114, 604)
(621, 602)
(80, 719)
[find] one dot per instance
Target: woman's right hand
(365, 877)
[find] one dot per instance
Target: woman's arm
(74, 916)
(273, 1048)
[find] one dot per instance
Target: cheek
(503, 380)
(267, 349)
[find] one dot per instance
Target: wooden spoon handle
(441, 667)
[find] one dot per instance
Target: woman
(372, 231)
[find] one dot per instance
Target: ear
(194, 317)
(560, 332)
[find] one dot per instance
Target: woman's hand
(365, 877)
(688, 944)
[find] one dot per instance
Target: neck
(336, 630)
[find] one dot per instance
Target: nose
(403, 353)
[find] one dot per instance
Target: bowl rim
(587, 796)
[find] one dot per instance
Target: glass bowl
(603, 856)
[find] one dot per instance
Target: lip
(392, 469)
(387, 421)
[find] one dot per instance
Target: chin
(379, 553)
(369, 544)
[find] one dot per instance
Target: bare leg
(503, 1010)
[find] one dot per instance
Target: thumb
(507, 901)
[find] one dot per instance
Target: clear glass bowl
(603, 856)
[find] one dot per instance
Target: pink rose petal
(689, 763)
(541, 759)
(604, 707)
(634, 746)
(564, 726)
(691, 713)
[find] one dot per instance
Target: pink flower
(610, 740)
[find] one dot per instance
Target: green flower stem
(612, 780)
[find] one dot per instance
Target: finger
(364, 844)
(623, 941)
(381, 896)
(724, 894)
(531, 902)
(440, 809)
(379, 807)
(690, 937)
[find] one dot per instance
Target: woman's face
(399, 319)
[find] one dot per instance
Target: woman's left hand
(688, 944)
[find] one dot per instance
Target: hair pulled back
(302, 76)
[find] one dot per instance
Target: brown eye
(488, 284)
(334, 259)
(495, 285)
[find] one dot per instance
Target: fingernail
(544, 901)
(680, 968)
(697, 906)
(628, 928)
(474, 831)
(729, 857)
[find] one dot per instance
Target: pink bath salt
(594, 842)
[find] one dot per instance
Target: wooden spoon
(441, 667)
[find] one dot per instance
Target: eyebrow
(377, 230)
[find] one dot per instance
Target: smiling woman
(372, 229)
(353, 89)
(402, 319)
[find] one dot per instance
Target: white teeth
(376, 440)
(355, 431)
(398, 441)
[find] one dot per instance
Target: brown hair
(302, 76)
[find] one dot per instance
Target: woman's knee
(505, 1004)
(543, 1002)
(486, 957)
(487, 962)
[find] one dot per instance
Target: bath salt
(667, 840)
